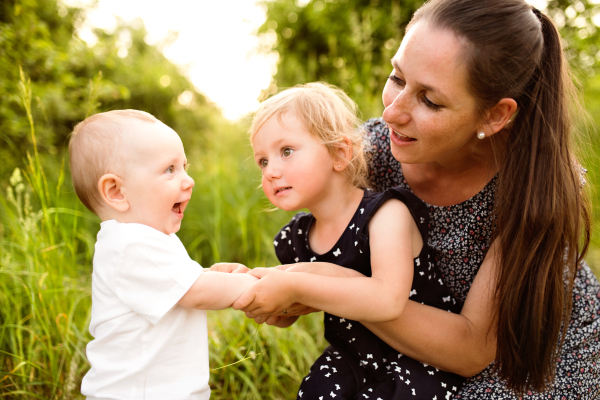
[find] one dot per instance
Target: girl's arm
(379, 298)
(462, 343)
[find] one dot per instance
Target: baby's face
(156, 184)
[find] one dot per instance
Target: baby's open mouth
(177, 208)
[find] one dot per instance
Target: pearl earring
(481, 135)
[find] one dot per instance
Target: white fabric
(145, 346)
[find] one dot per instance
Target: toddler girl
(310, 152)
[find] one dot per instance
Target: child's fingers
(259, 272)
(241, 269)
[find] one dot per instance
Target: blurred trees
(349, 43)
(38, 36)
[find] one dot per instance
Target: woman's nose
(398, 112)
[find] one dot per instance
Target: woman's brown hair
(514, 51)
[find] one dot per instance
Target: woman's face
(431, 115)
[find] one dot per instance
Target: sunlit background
(214, 42)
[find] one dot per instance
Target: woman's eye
(396, 80)
(428, 103)
(287, 152)
(263, 163)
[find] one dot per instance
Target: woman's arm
(379, 298)
(462, 343)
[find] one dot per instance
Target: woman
(477, 110)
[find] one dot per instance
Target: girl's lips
(281, 191)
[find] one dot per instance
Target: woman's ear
(344, 154)
(110, 187)
(499, 116)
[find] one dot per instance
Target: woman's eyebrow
(425, 86)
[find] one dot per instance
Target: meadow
(47, 237)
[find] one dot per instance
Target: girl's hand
(270, 295)
(295, 310)
(234, 268)
(276, 320)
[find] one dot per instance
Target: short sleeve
(153, 274)
(284, 249)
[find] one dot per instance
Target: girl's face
(296, 169)
(431, 115)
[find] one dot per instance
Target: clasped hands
(269, 300)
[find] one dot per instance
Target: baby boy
(148, 297)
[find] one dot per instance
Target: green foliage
(124, 71)
(348, 43)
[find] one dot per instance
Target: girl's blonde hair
(328, 114)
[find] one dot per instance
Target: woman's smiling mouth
(399, 139)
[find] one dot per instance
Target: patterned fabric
(459, 237)
(359, 365)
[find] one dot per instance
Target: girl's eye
(171, 169)
(287, 152)
(396, 80)
(263, 163)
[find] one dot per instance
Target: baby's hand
(234, 268)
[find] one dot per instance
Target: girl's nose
(398, 111)
(272, 171)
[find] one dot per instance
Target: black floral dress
(357, 364)
(459, 237)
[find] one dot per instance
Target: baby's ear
(344, 154)
(110, 187)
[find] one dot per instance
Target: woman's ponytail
(515, 51)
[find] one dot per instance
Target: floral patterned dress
(459, 237)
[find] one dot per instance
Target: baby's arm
(379, 298)
(216, 290)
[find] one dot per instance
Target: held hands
(270, 295)
(270, 300)
(234, 268)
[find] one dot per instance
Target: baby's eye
(263, 163)
(171, 169)
(287, 152)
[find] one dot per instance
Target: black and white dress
(459, 237)
(357, 364)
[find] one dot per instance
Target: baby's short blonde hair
(328, 114)
(93, 151)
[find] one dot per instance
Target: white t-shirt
(145, 346)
